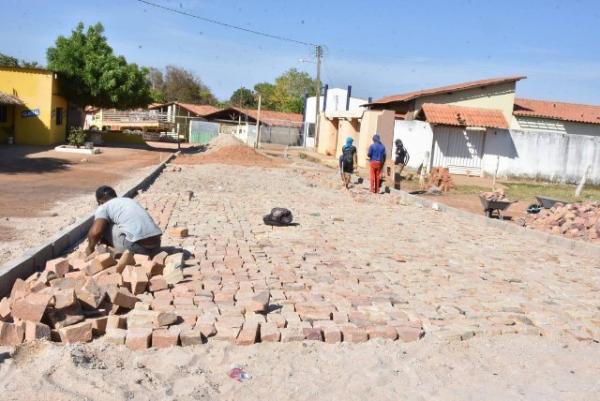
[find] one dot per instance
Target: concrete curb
(550, 239)
(66, 239)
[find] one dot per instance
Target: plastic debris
(238, 373)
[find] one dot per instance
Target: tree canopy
(243, 97)
(9, 61)
(91, 74)
(286, 94)
(179, 85)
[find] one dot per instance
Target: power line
(239, 28)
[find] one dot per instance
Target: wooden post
(495, 173)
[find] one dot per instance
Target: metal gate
(201, 132)
(458, 149)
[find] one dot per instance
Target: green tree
(290, 88)
(266, 91)
(9, 61)
(91, 74)
(157, 84)
(287, 94)
(179, 85)
(243, 97)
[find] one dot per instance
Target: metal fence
(201, 132)
(289, 136)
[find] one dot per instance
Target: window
(59, 115)
(3, 114)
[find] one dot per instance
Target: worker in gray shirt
(122, 223)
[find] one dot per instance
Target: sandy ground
(44, 191)
(502, 368)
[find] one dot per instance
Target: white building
(334, 100)
(478, 128)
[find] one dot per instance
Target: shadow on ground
(14, 160)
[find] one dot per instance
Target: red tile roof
(446, 114)
(267, 117)
(446, 89)
(198, 109)
(581, 113)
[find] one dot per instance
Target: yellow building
(32, 112)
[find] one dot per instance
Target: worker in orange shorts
(376, 157)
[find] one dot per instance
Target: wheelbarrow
(494, 207)
(547, 203)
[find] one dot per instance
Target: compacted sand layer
(502, 368)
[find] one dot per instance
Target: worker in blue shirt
(376, 157)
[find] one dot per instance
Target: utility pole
(319, 54)
(258, 122)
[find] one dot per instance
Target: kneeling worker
(122, 223)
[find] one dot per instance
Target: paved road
(368, 264)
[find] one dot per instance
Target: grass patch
(469, 189)
(528, 191)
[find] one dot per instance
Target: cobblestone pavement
(359, 266)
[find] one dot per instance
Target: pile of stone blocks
(498, 195)
(440, 178)
(77, 298)
(166, 301)
(577, 220)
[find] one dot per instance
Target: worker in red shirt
(376, 157)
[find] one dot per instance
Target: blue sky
(380, 47)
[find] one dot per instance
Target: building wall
(327, 138)
(542, 155)
(558, 126)
(35, 89)
(58, 131)
(500, 97)
(347, 128)
(522, 154)
(417, 137)
(372, 122)
(336, 101)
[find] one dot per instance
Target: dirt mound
(223, 141)
(227, 149)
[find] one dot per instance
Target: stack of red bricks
(440, 177)
(494, 196)
(577, 220)
(77, 297)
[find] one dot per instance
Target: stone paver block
(138, 338)
(269, 332)
(36, 331)
(59, 266)
(385, 332)
(90, 295)
(409, 334)
(11, 334)
(190, 337)
(354, 334)
(31, 308)
(332, 335)
(290, 334)
(313, 334)
(115, 336)
(165, 338)
(77, 333)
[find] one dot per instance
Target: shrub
(76, 136)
